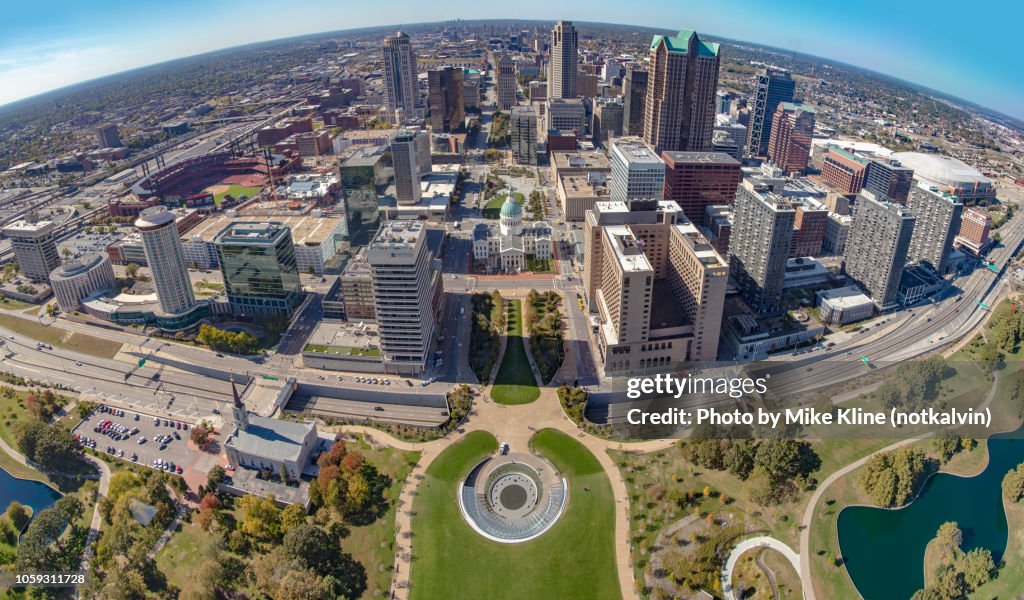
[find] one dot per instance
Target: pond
(884, 549)
(37, 495)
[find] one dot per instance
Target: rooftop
(306, 230)
(704, 158)
(26, 226)
(680, 43)
(628, 250)
(247, 232)
(271, 438)
(78, 266)
(397, 234)
(941, 169)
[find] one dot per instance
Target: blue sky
(969, 49)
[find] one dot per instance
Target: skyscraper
(107, 136)
(889, 179)
(774, 86)
(524, 135)
(166, 260)
(877, 246)
(506, 82)
(695, 180)
(634, 100)
(401, 89)
(407, 292)
(405, 158)
(637, 172)
(34, 247)
(789, 145)
(681, 83)
(446, 99)
(607, 120)
(759, 243)
(257, 261)
(563, 62)
(938, 222)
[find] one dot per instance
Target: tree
(978, 567)
(312, 547)
(52, 448)
(18, 515)
(202, 436)
(891, 477)
(292, 516)
(949, 536)
(1013, 484)
(927, 594)
(950, 584)
(131, 270)
(260, 518)
(213, 477)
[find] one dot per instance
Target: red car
(178, 469)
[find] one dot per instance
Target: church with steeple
(508, 246)
(262, 443)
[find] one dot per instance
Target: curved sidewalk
(763, 541)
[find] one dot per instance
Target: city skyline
(75, 44)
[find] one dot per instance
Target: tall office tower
(562, 64)
(696, 180)
(844, 171)
(446, 98)
(107, 136)
(257, 261)
(656, 283)
(162, 244)
(634, 100)
(506, 82)
(34, 247)
(729, 137)
(889, 179)
(723, 103)
(789, 145)
(360, 175)
(774, 86)
(681, 83)
(938, 222)
(424, 160)
(877, 246)
(524, 135)
(637, 172)
(759, 243)
(401, 88)
(809, 229)
(405, 158)
(407, 292)
(607, 121)
(974, 228)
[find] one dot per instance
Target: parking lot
(138, 438)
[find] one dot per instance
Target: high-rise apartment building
(446, 99)
(607, 120)
(34, 246)
(401, 89)
(656, 283)
(877, 246)
(809, 229)
(506, 82)
(681, 83)
(406, 160)
(938, 222)
(257, 260)
(166, 260)
(844, 171)
(523, 129)
(637, 171)
(634, 100)
(889, 179)
(774, 86)
(695, 180)
(974, 229)
(789, 145)
(759, 244)
(407, 292)
(107, 136)
(563, 62)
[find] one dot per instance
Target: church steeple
(238, 412)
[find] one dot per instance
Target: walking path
(763, 541)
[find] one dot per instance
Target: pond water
(30, 493)
(884, 549)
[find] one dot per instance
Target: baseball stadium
(220, 174)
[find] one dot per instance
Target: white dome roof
(940, 169)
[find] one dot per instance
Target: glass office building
(261, 277)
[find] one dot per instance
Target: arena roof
(941, 169)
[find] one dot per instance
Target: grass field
(515, 383)
(79, 342)
(235, 191)
(493, 208)
(180, 558)
(574, 559)
(11, 304)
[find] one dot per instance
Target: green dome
(511, 208)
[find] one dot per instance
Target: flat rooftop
(628, 250)
(306, 230)
(703, 158)
(397, 234)
(25, 226)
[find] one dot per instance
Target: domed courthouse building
(507, 246)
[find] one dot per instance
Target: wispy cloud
(31, 70)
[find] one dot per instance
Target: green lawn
(540, 266)
(79, 342)
(12, 304)
(493, 208)
(574, 559)
(341, 350)
(515, 383)
(235, 191)
(180, 558)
